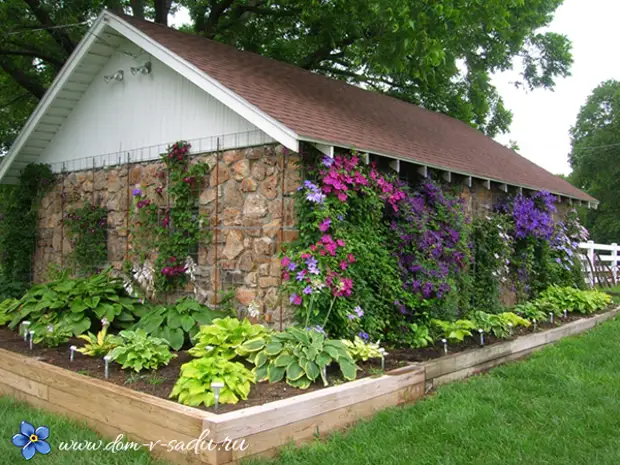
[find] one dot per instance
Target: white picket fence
(601, 258)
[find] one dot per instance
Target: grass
(61, 430)
(560, 407)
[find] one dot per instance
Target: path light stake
(25, 325)
(217, 387)
(324, 373)
(551, 317)
(534, 321)
(445, 346)
(565, 314)
(50, 328)
(106, 371)
(510, 329)
(72, 350)
(31, 332)
(481, 337)
(382, 351)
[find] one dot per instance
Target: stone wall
(247, 197)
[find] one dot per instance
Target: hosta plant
(176, 323)
(5, 306)
(360, 350)
(98, 345)
(498, 324)
(453, 331)
(53, 336)
(194, 384)
(416, 335)
(74, 303)
(225, 336)
(574, 300)
(300, 356)
(139, 351)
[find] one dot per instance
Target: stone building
(133, 87)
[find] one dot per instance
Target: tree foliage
(436, 54)
(594, 157)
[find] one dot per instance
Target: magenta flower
(295, 299)
(325, 224)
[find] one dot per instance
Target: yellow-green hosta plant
(194, 385)
(139, 351)
(454, 331)
(299, 356)
(99, 345)
(361, 350)
(498, 324)
(224, 337)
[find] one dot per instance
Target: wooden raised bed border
(112, 410)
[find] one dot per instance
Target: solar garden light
(50, 328)
(106, 372)
(565, 314)
(72, 350)
(445, 346)
(551, 317)
(25, 325)
(510, 329)
(217, 387)
(481, 332)
(382, 351)
(535, 325)
(31, 333)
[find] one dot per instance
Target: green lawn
(560, 407)
(61, 430)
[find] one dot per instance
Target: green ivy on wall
(86, 228)
(19, 205)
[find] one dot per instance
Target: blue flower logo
(32, 441)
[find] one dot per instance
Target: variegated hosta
(298, 356)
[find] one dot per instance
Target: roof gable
(291, 105)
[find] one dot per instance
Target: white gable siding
(141, 115)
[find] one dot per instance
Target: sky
(542, 118)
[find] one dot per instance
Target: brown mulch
(161, 382)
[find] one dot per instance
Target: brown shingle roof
(328, 110)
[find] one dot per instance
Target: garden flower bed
(112, 409)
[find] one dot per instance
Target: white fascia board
(254, 115)
(327, 150)
(72, 62)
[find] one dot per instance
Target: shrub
(139, 351)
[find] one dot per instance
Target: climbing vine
(86, 229)
(20, 205)
(169, 225)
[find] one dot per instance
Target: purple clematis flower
(32, 441)
(137, 192)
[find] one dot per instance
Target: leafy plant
(361, 350)
(74, 303)
(5, 307)
(535, 310)
(194, 384)
(139, 351)
(99, 345)
(226, 337)
(416, 335)
(86, 229)
(498, 324)
(574, 300)
(299, 356)
(53, 336)
(454, 331)
(177, 323)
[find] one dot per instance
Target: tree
(439, 55)
(595, 158)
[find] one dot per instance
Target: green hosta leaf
(187, 323)
(284, 360)
(323, 359)
(273, 348)
(261, 372)
(253, 345)
(92, 302)
(312, 370)
(175, 337)
(174, 319)
(294, 371)
(78, 305)
(275, 373)
(301, 383)
(348, 369)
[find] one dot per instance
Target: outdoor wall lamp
(118, 76)
(144, 69)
